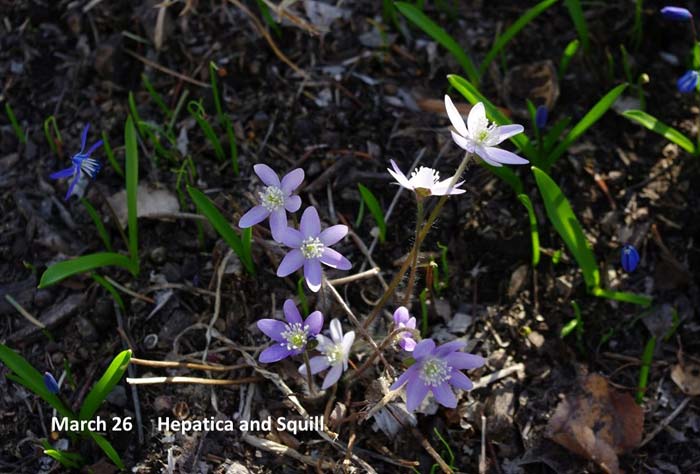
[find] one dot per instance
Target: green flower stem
(415, 251)
(419, 239)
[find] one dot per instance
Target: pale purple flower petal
(333, 234)
(464, 361)
(336, 331)
(310, 222)
(481, 151)
(408, 344)
(459, 380)
(291, 262)
(403, 378)
(449, 347)
(416, 391)
(278, 224)
(348, 340)
(444, 395)
(313, 274)
(267, 175)
(292, 238)
(292, 203)
(504, 156)
(254, 216)
(440, 189)
(507, 131)
(401, 315)
(332, 376)
(291, 313)
(423, 348)
(274, 353)
(317, 364)
(292, 180)
(455, 117)
(335, 260)
(315, 323)
(462, 142)
(272, 328)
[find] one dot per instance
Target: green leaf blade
(132, 183)
(105, 384)
(655, 125)
(67, 268)
(534, 233)
(375, 209)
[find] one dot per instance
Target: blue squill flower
(629, 258)
(676, 13)
(82, 164)
(50, 382)
(541, 117)
(688, 82)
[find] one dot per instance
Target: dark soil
(358, 107)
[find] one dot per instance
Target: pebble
(158, 255)
(86, 329)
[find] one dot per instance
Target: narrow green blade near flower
(104, 386)
(97, 220)
(433, 30)
(567, 56)
(221, 225)
(375, 209)
(623, 296)
(585, 123)
(107, 448)
(534, 233)
(510, 33)
(132, 183)
(576, 14)
(62, 270)
(655, 125)
(567, 225)
(24, 373)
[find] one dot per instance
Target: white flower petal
(476, 119)
(455, 117)
(504, 156)
(336, 331)
(506, 131)
(464, 143)
(399, 176)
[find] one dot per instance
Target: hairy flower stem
(383, 345)
(309, 377)
(419, 239)
(415, 251)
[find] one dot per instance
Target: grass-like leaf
(105, 384)
(566, 57)
(510, 33)
(101, 230)
(66, 459)
(585, 123)
(108, 449)
(24, 373)
(110, 155)
(224, 119)
(432, 29)
(156, 96)
(375, 209)
(67, 268)
(221, 225)
(110, 288)
(132, 183)
(623, 296)
(647, 357)
(576, 14)
(655, 125)
(534, 233)
(15, 124)
(53, 134)
(196, 110)
(567, 225)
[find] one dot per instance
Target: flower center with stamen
(334, 353)
(312, 247)
(435, 371)
(272, 198)
(484, 132)
(296, 336)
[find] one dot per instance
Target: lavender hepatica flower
(437, 369)
(311, 247)
(688, 82)
(83, 164)
(402, 319)
(676, 13)
(425, 182)
(275, 200)
(336, 352)
(480, 136)
(290, 337)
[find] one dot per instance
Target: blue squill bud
(50, 383)
(676, 13)
(541, 117)
(629, 258)
(688, 82)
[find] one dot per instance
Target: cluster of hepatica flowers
(435, 369)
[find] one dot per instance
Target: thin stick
(666, 421)
(185, 365)
(126, 290)
(217, 301)
(131, 372)
(430, 450)
(24, 312)
(357, 276)
(165, 70)
(193, 380)
(482, 458)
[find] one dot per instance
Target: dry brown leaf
(687, 377)
(597, 423)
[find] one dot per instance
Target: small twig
(430, 450)
(185, 365)
(165, 70)
(24, 312)
(482, 458)
(193, 380)
(357, 276)
(129, 292)
(498, 375)
(217, 301)
(666, 421)
(132, 373)
(167, 216)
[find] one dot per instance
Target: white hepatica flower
(481, 137)
(425, 181)
(336, 352)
